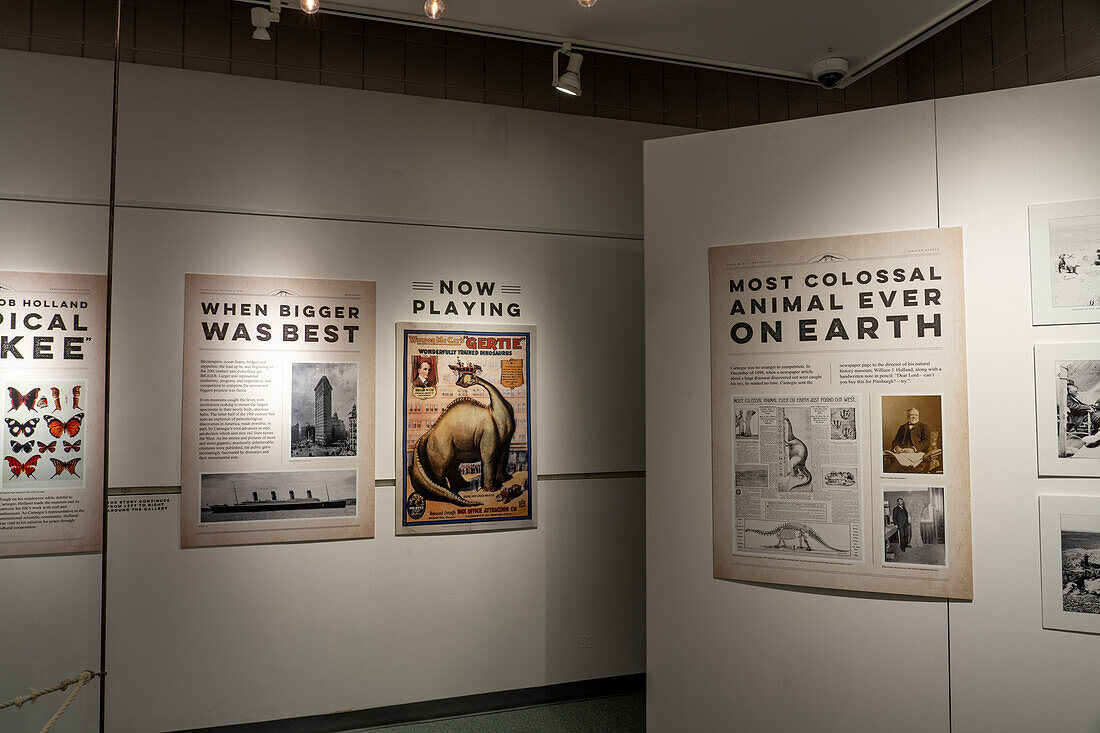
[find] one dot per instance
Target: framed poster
(1065, 262)
(1067, 402)
(52, 358)
(278, 410)
(466, 454)
(839, 418)
(1069, 549)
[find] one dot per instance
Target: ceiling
(773, 37)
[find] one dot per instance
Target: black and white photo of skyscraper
(323, 413)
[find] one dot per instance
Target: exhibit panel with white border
(762, 656)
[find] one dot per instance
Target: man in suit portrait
(423, 376)
(901, 521)
(913, 435)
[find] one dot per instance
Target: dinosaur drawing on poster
(797, 454)
(795, 531)
(467, 431)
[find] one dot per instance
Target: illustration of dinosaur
(795, 531)
(744, 423)
(466, 431)
(797, 453)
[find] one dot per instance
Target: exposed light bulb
(312, 6)
(586, 3)
(434, 9)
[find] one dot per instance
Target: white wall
(55, 120)
(998, 153)
(723, 655)
(392, 189)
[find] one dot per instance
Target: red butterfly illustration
(18, 399)
(69, 447)
(59, 466)
(76, 397)
(56, 399)
(26, 428)
(16, 447)
(17, 467)
(58, 428)
(43, 447)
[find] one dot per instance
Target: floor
(622, 714)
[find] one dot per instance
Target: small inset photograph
(1075, 261)
(914, 527)
(1080, 564)
(323, 416)
(912, 430)
(751, 476)
(423, 372)
(746, 424)
(1078, 384)
(840, 478)
(277, 495)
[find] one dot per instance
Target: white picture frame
(1065, 262)
(1067, 386)
(1069, 531)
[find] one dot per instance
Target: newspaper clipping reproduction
(466, 457)
(278, 410)
(795, 465)
(840, 436)
(51, 368)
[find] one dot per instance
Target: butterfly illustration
(16, 447)
(69, 447)
(17, 467)
(18, 399)
(76, 397)
(43, 402)
(58, 428)
(59, 466)
(51, 446)
(56, 399)
(17, 428)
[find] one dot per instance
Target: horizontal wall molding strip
(153, 490)
(447, 708)
(210, 209)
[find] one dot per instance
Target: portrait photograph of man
(915, 527)
(912, 429)
(424, 373)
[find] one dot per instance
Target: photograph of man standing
(901, 520)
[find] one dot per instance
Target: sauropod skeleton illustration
(466, 431)
(795, 531)
(797, 454)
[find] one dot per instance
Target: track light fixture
(569, 82)
(434, 9)
(262, 18)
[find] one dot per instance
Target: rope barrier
(80, 680)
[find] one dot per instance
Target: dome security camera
(828, 72)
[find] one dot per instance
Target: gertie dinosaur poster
(466, 449)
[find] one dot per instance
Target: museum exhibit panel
(633, 296)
